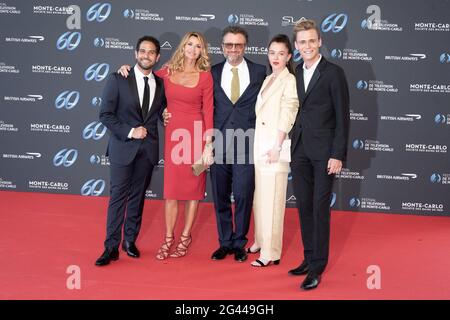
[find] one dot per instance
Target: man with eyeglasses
(237, 82)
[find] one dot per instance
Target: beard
(143, 66)
(233, 58)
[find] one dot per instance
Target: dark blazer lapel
(156, 100)
(252, 78)
(134, 92)
(219, 71)
(316, 76)
(301, 86)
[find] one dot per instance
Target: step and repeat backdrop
(56, 55)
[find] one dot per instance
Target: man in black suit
(319, 145)
(237, 82)
(130, 110)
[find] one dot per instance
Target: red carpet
(43, 234)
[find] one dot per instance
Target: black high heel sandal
(252, 252)
(261, 264)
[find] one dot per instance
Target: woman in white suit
(276, 108)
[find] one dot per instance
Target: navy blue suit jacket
(121, 111)
(241, 115)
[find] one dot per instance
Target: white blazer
(276, 110)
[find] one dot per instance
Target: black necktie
(146, 100)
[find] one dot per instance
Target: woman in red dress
(188, 135)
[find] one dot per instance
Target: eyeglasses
(230, 46)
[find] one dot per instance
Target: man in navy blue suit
(237, 82)
(130, 110)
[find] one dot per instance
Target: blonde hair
(305, 24)
(176, 62)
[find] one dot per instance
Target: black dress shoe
(107, 256)
(240, 254)
(311, 281)
(130, 249)
(221, 253)
(300, 270)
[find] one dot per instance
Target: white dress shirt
(140, 83)
(308, 72)
(227, 75)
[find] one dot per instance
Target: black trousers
(312, 188)
(126, 202)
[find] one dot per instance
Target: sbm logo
(96, 101)
(99, 42)
(233, 19)
(297, 56)
(440, 118)
(336, 53)
(362, 85)
(358, 144)
(444, 58)
(355, 202)
(436, 178)
(128, 13)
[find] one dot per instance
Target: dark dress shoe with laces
(302, 269)
(221, 253)
(107, 256)
(240, 255)
(311, 281)
(131, 249)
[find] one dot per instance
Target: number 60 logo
(334, 22)
(93, 187)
